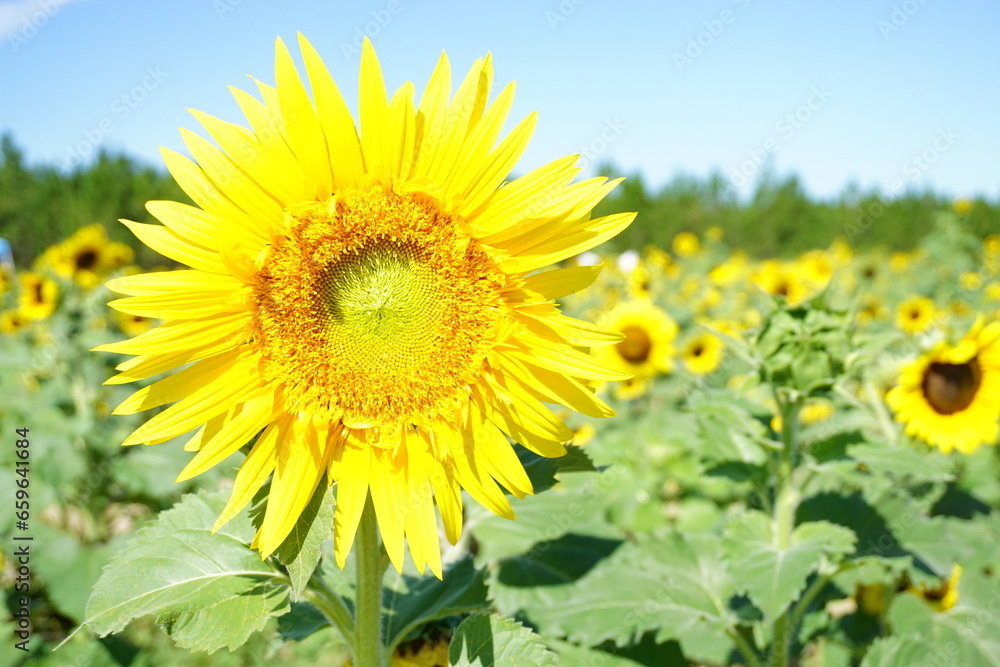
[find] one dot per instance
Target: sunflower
(86, 256)
(944, 596)
(685, 244)
(915, 315)
(11, 321)
(646, 347)
(783, 280)
(419, 653)
(702, 353)
(38, 296)
(950, 396)
(133, 325)
(366, 302)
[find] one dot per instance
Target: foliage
(764, 509)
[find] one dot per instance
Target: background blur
(810, 112)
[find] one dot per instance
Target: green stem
(786, 502)
(748, 651)
(327, 601)
(814, 589)
(368, 650)
(878, 406)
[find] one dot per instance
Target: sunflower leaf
(300, 552)
(210, 590)
(667, 582)
(773, 577)
(966, 634)
(411, 602)
(483, 641)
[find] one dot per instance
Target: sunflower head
(950, 396)
(86, 256)
(916, 315)
(944, 596)
(647, 335)
(364, 303)
(702, 353)
(38, 296)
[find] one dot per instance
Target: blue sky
(890, 94)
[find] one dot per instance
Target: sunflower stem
(371, 565)
(786, 502)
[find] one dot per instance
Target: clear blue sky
(885, 93)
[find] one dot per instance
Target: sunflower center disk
(950, 388)
(376, 309)
(636, 346)
(381, 303)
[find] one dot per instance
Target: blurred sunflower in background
(646, 348)
(86, 257)
(702, 353)
(950, 396)
(944, 596)
(915, 315)
(38, 296)
(367, 300)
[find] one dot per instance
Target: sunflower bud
(803, 348)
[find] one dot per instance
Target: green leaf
(542, 471)
(571, 507)
(897, 652)
(300, 552)
(411, 601)
(177, 570)
(902, 462)
(70, 569)
(968, 634)
(230, 622)
(521, 581)
(728, 430)
(484, 641)
(646, 652)
(668, 582)
(773, 577)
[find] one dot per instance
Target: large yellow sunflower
(950, 397)
(366, 300)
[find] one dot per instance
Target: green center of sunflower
(379, 299)
(636, 346)
(951, 388)
(375, 308)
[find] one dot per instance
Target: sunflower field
(728, 438)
